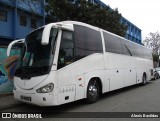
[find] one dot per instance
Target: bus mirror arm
(11, 44)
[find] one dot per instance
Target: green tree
(81, 10)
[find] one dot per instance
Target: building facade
(18, 17)
(133, 33)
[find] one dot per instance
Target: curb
(11, 104)
(6, 107)
(6, 94)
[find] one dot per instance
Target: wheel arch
(144, 74)
(143, 83)
(99, 81)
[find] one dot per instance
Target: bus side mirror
(45, 34)
(47, 29)
(11, 44)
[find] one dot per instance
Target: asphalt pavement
(131, 99)
(7, 101)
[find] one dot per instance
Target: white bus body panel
(28, 84)
(79, 73)
(143, 65)
(37, 98)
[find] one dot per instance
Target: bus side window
(66, 51)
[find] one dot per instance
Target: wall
(11, 30)
(14, 8)
(133, 32)
(7, 69)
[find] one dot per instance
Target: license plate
(25, 98)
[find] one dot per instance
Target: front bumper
(45, 99)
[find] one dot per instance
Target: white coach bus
(67, 61)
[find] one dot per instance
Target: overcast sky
(145, 14)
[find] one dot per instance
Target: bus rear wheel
(92, 91)
(144, 80)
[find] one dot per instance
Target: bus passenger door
(66, 76)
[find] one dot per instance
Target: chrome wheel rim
(93, 91)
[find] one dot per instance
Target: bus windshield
(36, 59)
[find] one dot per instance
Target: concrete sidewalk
(8, 101)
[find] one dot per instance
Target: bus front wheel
(92, 91)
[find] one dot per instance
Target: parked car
(156, 73)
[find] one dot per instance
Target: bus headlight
(46, 89)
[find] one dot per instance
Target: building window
(135, 32)
(33, 23)
(131, 30)
(23, 20)
(3, 15)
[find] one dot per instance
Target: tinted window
(125, 49)
(66, 52)
(87, 41)
(131, 47)
(147, 53)
(139, 51)
(112, 43)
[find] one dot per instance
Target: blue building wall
(11, 29)
(133, 33)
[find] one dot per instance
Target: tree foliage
(153, 42)
(155, 58)
(83, 11)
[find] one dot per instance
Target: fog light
(44, 99)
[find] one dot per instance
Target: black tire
(92, 91)
(155, 77)
(144, 80)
